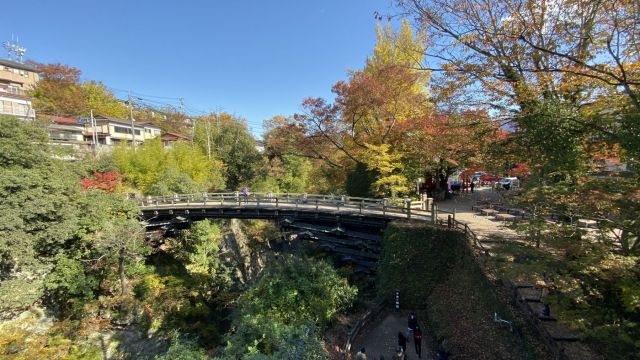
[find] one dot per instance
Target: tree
(514, 54)
(38, 212)
(367, 113)
(121, 241)
(154, 170)
(441, 144)
(102, 102)
(109, 181)
(390, 182)
(227, 138)
(59, 91)
(292, 294)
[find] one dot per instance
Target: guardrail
(403, 207)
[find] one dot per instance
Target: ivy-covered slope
(438, 277)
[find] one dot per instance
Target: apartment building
(15, 79)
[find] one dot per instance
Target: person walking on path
(399, 355)
(402, 342)
(361, 355)
(417, 340)
(473, 185)
(412, 322)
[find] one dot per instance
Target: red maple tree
(108, 181)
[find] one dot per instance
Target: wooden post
(433, 213)
(409, 209)
(317, 204)
(361, 205)
(277, 201)
(384, 207)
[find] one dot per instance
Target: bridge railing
(296, 200)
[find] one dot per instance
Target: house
(169, 139)
(67, 131)
(15, 79)
(112, 131)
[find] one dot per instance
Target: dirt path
(484, 226)
(381, 339)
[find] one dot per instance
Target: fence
(319, 203)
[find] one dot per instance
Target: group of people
(413, 331)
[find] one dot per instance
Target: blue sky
(251, 58)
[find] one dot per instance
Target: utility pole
(133, 130)
(94, 136)
(209, 137)
(218, 134)
(193, 132)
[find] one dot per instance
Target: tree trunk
(123, 279)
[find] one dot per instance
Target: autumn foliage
(109, 181)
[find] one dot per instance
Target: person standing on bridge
(245, 194)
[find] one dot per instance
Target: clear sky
(253, 58)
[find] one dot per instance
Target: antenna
(14, 50)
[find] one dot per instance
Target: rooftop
(62, 120)
(125, 122)
(16, 65)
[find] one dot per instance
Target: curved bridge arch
(349, 226)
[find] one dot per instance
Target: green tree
(38, 211)
(102, 102)
(293, 293)
(227, 138)
(122, 241)
(154, 170)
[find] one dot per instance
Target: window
(124, 130)
(6, 107)
(20, 109)
(12, 89)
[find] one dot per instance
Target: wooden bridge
(349, 226)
